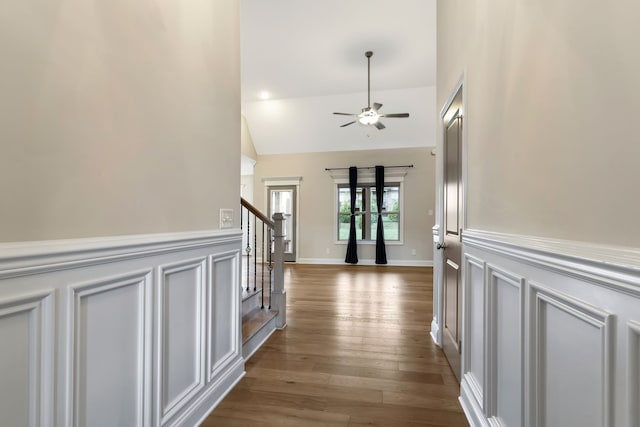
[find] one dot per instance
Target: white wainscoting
(551, 333)
(134, 330)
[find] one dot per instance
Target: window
(367, 212)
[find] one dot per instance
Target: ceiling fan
(369, 115)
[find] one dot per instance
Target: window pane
(344, 200)
(391, 227)
(343, 227)
(344, 212)
(390, 199)
(374, 201)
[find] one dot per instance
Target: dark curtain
(352, 251)
(381, 251)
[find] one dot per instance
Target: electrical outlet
(413, 252)
(226, 218)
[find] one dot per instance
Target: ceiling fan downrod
(368, 54)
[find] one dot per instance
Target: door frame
(286, 182)
(437, 324)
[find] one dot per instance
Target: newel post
(278, 294)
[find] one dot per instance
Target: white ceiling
(309, 55)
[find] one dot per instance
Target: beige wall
(247, 187)
(317, 199)
(552, 98)
(117, 117)
(247, 147)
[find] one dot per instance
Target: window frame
(369, 183)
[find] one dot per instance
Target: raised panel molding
(579, 327)
(181, 338)
(634, 373)
(109, 350)
(89, 320)
(474, 332)
(505, 347)
(569, 340)
(27, 360)
(224, 339)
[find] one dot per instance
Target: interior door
(283, 199)
(451, 339)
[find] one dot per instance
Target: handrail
(257, 213)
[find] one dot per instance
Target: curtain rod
(369, 167)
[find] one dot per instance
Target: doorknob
(442, 245)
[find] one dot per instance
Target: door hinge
(460, 346)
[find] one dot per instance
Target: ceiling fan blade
(345, 114)
(377, 106)
(347, 124)
(395, 115)
(379, 125)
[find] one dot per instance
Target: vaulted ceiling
(309, 56)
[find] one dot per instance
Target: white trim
(609, 266)
(165, 408)
(76, 294)
(475, 386)
(40, 357)
(633, 368)
(285, 182)
(470, 406)
(339, 261)
(369, 180)
(216, 367)
(204, 405)
(494, 273)
(293, 180)
(597, 317)
(23, 258)
(368, 175)
(617, 255)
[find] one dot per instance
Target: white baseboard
(471, 409)
(435, 332)
(338, 261)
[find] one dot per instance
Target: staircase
(263, 295)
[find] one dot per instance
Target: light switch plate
(226, 218)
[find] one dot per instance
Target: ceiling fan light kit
(369, 115)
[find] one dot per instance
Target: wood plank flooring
(356, 352)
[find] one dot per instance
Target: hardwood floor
(356, 352)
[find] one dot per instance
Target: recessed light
(264, 95)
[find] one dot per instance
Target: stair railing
(255, 227)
